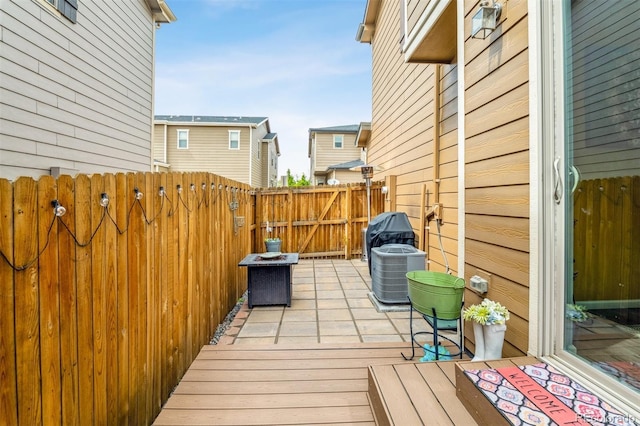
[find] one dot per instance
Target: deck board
(279, 384)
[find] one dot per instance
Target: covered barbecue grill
(388, 228)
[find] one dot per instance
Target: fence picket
(26, 303)
(110, 314)
(49, 298)
(8, 370)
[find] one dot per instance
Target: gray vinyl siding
(606, 138)
(77, 96)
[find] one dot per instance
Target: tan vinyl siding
(403, 130)
(77, 96)
(158, 149)
(497, 168)
(347, 176)
(269, 171)
(209, 151)
(258, 178)
(327, 155)
(415, 8)
(264, 163)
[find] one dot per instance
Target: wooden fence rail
(316, 221)
(607, 239)
(103, 308)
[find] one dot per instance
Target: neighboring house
(331, 149)
(239, 148)
(77, 81)
(507, 134)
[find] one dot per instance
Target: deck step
(475, 402)
(415, 394)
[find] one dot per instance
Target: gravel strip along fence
(222, 328)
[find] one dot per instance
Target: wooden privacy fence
(324, 221)
(103, 308)
(606, 243)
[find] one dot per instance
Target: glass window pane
(602, 291)
(183, 139)
(337, 141)
(234, 139)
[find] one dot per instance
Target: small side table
(269, 280)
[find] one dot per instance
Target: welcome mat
(540, 395)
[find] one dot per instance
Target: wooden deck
(292, 384)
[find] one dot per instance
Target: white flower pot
(489, 341)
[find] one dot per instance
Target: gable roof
(272, 137)
(346, 166)
(349, 128)
(211, 120)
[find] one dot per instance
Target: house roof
(211, 120)
(161, 11)
(272, 137)
(346, 166)
(364, 133)
(349, 128)
(368, 25)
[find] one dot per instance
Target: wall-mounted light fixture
(138, 195)
(58, 209)
(485, 20)
(161, 191)
(104, 199)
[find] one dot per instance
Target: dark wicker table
(269, 280)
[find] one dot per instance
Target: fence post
(348, 231)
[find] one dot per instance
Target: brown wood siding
(497, 168)
(77, 96)
(402, 137)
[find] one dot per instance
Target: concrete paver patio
(330, 304)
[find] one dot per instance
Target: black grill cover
(388, 228)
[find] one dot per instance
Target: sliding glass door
(597, 187)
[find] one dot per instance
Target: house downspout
(435, 212)
(164, 145)
(250, 155)
(461, 136)
(436, 143)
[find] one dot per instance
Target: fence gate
(316, 221)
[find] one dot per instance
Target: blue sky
(294, 61)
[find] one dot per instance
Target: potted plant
(574, 314)
(272, 244)
(489, 325)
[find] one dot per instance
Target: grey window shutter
(69, 8)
